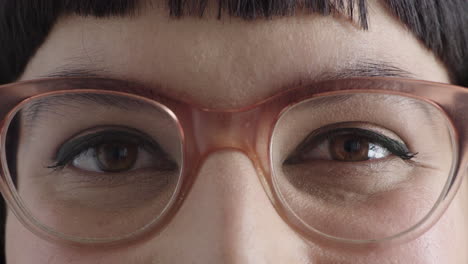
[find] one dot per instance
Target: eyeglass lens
(362, 166)
(95, 166)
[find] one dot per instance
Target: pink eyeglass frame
(248, 130)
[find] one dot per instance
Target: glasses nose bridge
(225, 130)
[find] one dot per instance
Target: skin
(227, 217)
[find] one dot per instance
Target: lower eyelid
(350, 177)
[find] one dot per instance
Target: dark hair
(442, 25)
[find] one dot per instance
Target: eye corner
(409, 156)
(55, 167)
(291, 160)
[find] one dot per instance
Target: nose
(228, 218)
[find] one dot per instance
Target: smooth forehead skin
(227, 217)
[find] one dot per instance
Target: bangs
(246, 9)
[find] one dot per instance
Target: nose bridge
(225, 130)
(243, 132)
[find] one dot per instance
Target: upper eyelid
(376, 137)
(316, 137)
(320, 135)
(64, 154)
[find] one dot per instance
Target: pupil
(352, 146)
(117, 157)
(349, 148)
(118, 152)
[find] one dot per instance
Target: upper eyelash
(62, 159)
(392, 145)
(395, 147)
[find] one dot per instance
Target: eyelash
(75, 147)
(72, 149)
(312, 140)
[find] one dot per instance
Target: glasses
(357, 161)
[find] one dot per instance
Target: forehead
(229, 61)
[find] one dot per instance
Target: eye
(111, 151)
(112, 157)
(348, 145)
(355, 148)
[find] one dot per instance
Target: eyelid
(315, 138)
(72, 148)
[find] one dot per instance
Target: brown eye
(349, 148)
(347, 145)
(116, 156)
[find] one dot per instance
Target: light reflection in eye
(348, 148)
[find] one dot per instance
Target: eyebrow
(367, 68)
(360, 69)
(364, 68)
(74, 101)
